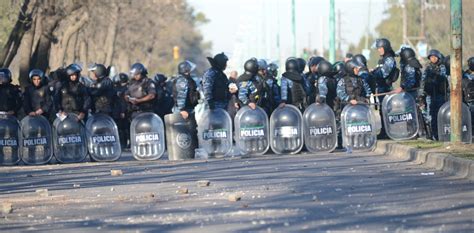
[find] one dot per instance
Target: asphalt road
(291, 193)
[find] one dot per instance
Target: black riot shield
(69, 139)
(147, 136)
(286, 130)
(215, 132)
(400, 116)
(319, 122)
(252, 134)
(181, 136)
(36, 143)
(444, 123)
(9, 138)
(358, 128)
(102, 138)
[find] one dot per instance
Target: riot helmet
(338, 67)
(360, 59)
(470, 63)
(138, 68)
(159, 78)
(262, 64)
(314, 61)
(184, 68)
(301, 64)
(272, 69)
(383, 43)
(325, 68)
(435, 53)
(350, 65)
(39, 73)
(5, 76)
(99, 70)
(291, 65)
(251, 66)
(73, 69)
(406, 54)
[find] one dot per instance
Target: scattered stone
(234, 197)
(150, 195)
(116, 172)
(245, 206)
(183, 191)
(29, 175)
(76, 185)
(49, 217)
(203, 183)
(7, 207)
(112, 189)
(42, 192)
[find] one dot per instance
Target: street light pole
(456, 70)
(332, 32)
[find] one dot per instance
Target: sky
(250, 28)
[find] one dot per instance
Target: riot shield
(251, 131)
(358, 128)
(147, 137)
(444, 123)
(286, 130)
(181, 136)
(215, 132)
(102, 138)
(320, 135)
(400, 116)
(69, 139)
(9, 138)
(36, 144)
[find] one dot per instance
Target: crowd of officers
(123, 96)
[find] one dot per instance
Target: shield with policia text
(36, 143)
(102, 138)
(320, 135)
(147, 136)
(69, 139)
(400, 116)
(358, 128)
(9, 140)
(286, 130)
(252, 131)
(215, 132)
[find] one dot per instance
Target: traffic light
(176, 53)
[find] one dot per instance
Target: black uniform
(35, 98)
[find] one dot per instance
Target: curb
(452, 165)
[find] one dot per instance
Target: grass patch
(422, 144)
(465, 151)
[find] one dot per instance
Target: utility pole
(332, 32)
(339, 36)
(405, 23)
(456, 70)
(293, 26)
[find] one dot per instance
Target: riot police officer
(36, 98)
(248, 85)
(185, 92)
(141, 91)
(293, 86)
(352, 89)
(320, 87)
(410, 69)
(311, 78)
(434, 87)
(119, 108)
(163, 103)
(72, 96)
(215, 82)
(468, 86)
(102, 91)
(385, 73)
(266, 95)
(273, 87)
(10, 101)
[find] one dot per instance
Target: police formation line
(345, 104)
